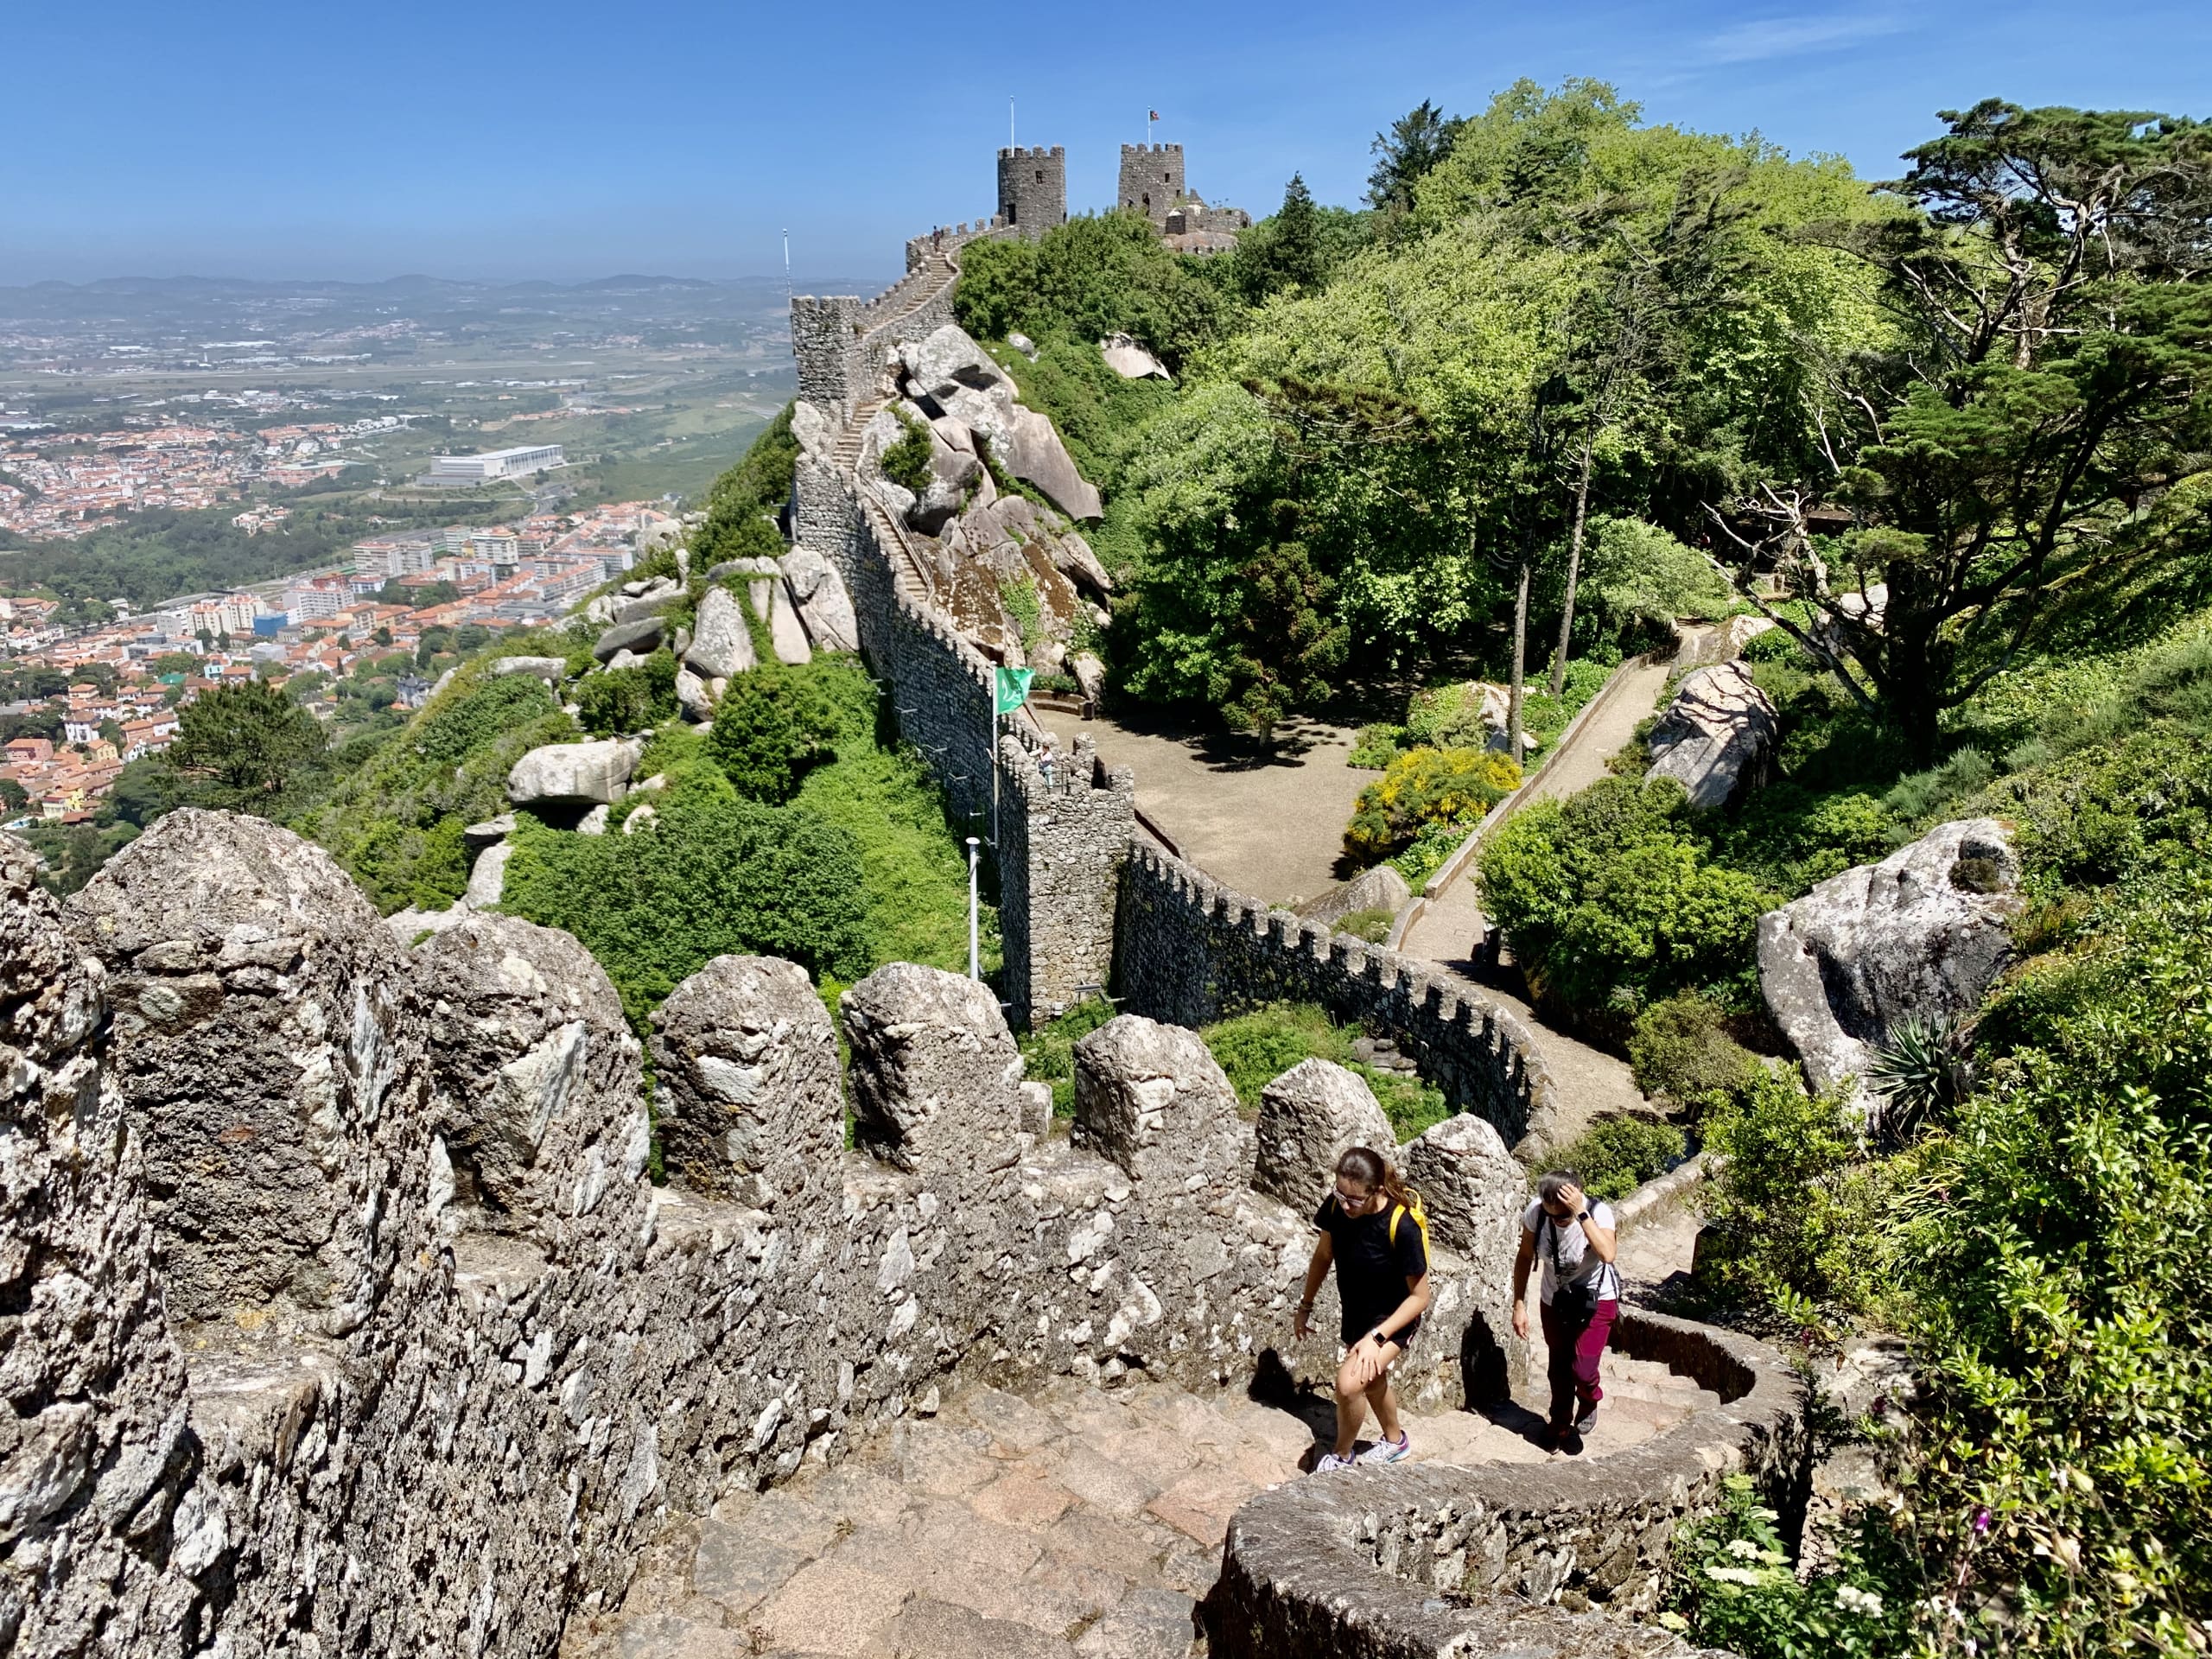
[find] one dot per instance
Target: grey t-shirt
(1564, 1249)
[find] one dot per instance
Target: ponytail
(1372, 1170)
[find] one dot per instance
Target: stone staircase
(1079, 1521)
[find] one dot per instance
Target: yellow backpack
(1412, 1206)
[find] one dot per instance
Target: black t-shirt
(1372, 1268)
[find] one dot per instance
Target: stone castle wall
(1034, 188)
(475, 1395)
(1425, 1559)
(1189, 950)
(1151, 180)
(1065, 838)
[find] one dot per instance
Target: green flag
(1013, 687)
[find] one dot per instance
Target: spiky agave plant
(1924, 1068)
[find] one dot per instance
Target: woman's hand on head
(1573, 1197)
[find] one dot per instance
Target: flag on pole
(1012, 686)
(1152, 115)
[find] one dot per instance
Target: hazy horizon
(263, 142)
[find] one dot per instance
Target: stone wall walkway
(1592, 1083)
(1078, 1522)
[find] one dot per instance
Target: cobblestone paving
(1079, 1521)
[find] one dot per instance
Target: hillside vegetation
(1568, 377)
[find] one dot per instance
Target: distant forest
(156, 556)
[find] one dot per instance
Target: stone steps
(1081, 1521)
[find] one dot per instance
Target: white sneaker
(1329, 1460)
(1388, 1451)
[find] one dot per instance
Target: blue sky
(563, 140)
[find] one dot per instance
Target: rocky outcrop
(935, 1070)
(95, 1453)
(551, 670)
(751, 1105)
(1925, 933)
(1150, 1097)
(785, 636)
(1380, 888)
(694, 696)
(721, 643)
(488, 877)
(1089, 674)
(566, 775)
(824, 607)
(1717, 735)
(640, 636)
(1130, 360)
(1309, 1117)
(265, 1035)
(1034, 454)
(534, 1072)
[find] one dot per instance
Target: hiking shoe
(1388, 1451)
(1570, 1440)
(1585, 1418)
(1329, 1461)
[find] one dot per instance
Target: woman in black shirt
(1373, 1233)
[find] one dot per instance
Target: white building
(496, 464)
(311, 601)
(232, 613)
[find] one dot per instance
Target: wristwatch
(1585, 1216)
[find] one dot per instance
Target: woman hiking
(1372, 1229)
(1575, 1237)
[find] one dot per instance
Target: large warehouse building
(496, 464)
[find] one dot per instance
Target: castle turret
(1151, 180)
(1034, 188)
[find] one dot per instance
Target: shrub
(906, 463)
(1255, 1049)
(1448, 717)
(1681, 1051)
(1798, 1206)
(770, 726)
(2050, 1246)
(618, 701)
(1426, 786)
(1919, 1074)
(1048, 1052)
(1612, 899)
(756, 485)
(1372, 925)
(1616, 1155)
(1732, 1585)
(1378, 746)
(714, 875)
(1921, 794)
(1776, 646)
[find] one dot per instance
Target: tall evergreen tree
(1416, 141)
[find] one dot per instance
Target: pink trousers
(1574, 1351)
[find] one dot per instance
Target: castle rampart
(522, 1357)
(1189, 950)
(1151, 180)
(1034, 188)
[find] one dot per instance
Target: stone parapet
(1425, 1560)
(528, 1385)
(1190, 951)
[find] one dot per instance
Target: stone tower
(1151, 180)
(1034, 188)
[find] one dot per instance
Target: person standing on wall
(1374, 1234)
(1576, 1239)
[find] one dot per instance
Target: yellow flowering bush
(1422, 787)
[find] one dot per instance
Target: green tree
(741, 501)
(1415, 143)
(2054, 382)
(714, 875)
(1092, 276)
(245, 748)
(769, 729)
(1287, 253)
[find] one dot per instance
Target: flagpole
(975, 954)
(995, 767)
